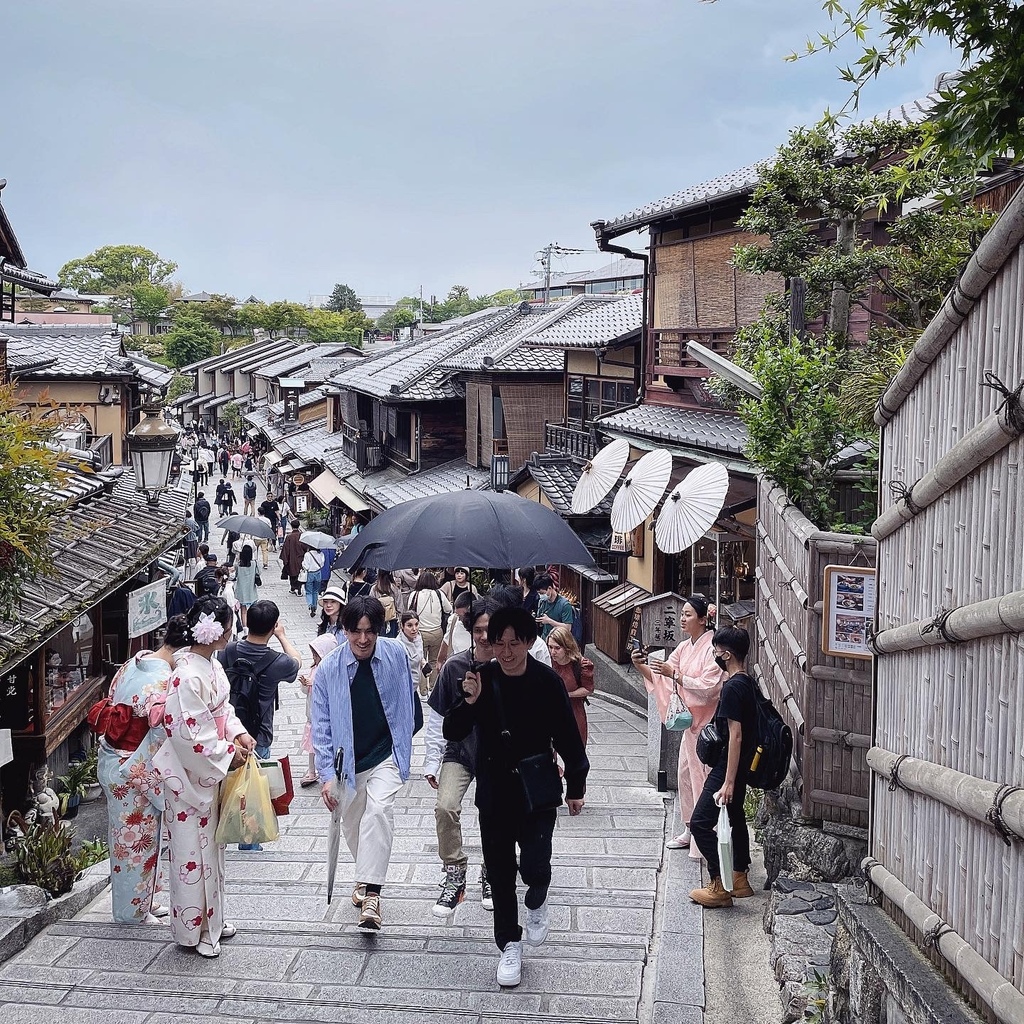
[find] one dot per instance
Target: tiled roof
(338, 463)
(95, 524)
(75, 351)
(269, 348)
(708, 429)
(599, 327)
(322, 369)
(620, 268)
(559, 278)
(146, 370)
(446, 479)
(185, 399)
(310, 443)
(414, 371)
(734, 183)
(306, 399)
(292, 361)
(503, 347)
(557, 476)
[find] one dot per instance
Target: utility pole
(545, 262)
(421, 306)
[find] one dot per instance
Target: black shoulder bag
(538, 774)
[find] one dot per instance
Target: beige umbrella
(641, 490)
(599, 476)
(692, 508)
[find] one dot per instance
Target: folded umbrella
(252, 526)
(334, 833)
(481, 529)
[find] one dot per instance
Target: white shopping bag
(725, 847)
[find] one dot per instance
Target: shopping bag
(678, 717)
(246, 813)
(725, 847)
(278, 773)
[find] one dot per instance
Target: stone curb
(18, 929)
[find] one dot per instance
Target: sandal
(681, 842)
(309, 779)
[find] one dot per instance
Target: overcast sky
(276, 148)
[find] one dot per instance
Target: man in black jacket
(201, 513)
(519, 709)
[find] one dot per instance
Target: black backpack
(244, 676)
(774, 747)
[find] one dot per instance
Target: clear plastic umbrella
(641, 491)
(692, 508)
(599, 476)
(318, 540)
(334, 832)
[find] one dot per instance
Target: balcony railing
(569, 441)
(671, 357)
(102, 448)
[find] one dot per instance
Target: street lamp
(152, 445)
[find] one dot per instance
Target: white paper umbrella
(641, 491)
(599, 476)
(692, 508)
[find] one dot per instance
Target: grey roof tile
(557, 476)
(616, 270)
(283, 367)
(709, 429)
(446, 479)
(306, 399)
(74, 351)
(600, 326)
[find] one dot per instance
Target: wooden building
(947, 824)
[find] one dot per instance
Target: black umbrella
(482, 529)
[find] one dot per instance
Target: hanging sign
(849, 611)
(146, 608)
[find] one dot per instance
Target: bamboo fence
(826, 700)
(950, 666)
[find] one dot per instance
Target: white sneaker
(537, 924)
(510, 966)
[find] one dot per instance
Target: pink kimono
(193, 761)
(700, 686)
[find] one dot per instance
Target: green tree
(112, 267)
(395, 319)
(324, 326)
(191, 338)
(979, 115)
(143, 301)
(220, 311)
(29, 473)
(506, 297)
(181, 384)
(231, 417)
(343, 299)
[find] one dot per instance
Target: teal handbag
(678, 717)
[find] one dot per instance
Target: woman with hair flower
(204, 740)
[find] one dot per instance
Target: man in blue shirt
(365, 706)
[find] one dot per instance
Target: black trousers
(501, 831)
(705, 818)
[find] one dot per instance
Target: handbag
(711, 744)
(303, 576)
(259, 579)
(246, 813)
(538, 774)
(678, 717)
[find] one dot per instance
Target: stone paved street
(297, 959)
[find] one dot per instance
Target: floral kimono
(700, 686)
(134, 800)
(192, 763)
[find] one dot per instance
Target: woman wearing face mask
(692, 673)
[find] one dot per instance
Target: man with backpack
(255, 672)
(736, 721)
(249, 494)
(552, 609)
(201, 514)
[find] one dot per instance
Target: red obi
(117, 725)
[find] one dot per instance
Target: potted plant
(72, 787)
(43, 856)
(92, 786)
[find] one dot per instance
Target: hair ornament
(207, 630)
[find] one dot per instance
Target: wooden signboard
(656, 622)
(849, 611)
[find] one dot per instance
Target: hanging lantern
(152, 445)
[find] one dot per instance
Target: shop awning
(327, 487)
(593, 573)
(272, 458)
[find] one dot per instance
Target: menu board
(849, 611)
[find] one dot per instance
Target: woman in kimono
(204, 739)
(691, 672)
(124, 769)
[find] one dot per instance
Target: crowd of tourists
(496, 680)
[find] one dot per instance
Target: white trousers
(368, 820)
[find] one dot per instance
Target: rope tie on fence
(994, 815)
(895, 782)
(933, 935)
(901, 492)
(1012, 406)
(939, 624)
